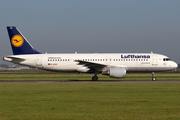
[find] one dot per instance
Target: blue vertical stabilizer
(19, 43)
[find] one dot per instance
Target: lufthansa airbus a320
(112, 64)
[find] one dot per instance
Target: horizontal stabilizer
(14, 58)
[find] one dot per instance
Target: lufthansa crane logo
(17, 40)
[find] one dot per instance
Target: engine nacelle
(83, 70)
(117, 72)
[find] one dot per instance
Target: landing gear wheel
(95, 78)
(154, 79)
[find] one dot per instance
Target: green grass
(75, 76)
(126, 101)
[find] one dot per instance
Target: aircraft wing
(91, 65)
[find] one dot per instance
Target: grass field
(53, 101)
(126, 101)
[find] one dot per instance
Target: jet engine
(117, 72)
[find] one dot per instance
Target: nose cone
(174, 65)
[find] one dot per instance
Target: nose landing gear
(153, 76)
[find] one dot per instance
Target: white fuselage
(66, 62)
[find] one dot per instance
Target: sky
(94, 26)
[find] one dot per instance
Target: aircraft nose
(174, 65)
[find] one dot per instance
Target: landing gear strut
(95, 77)
(153, 76)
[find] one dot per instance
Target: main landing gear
(153, 76)
(95, 77)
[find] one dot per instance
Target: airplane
(115, 65)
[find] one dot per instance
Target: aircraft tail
(19, 43)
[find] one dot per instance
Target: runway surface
(100, 81)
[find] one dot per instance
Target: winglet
(19, 43)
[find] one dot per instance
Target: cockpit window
(166, 59)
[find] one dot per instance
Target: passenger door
(154, 60)
(39, 60)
